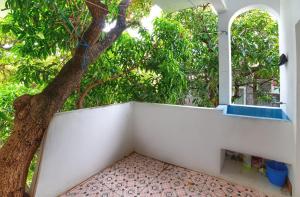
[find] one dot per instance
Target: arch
(270, 11)
(273, 13)
(236, 8)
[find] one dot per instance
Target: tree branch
(96, 83)
(98, 11)
(113, 34)
(73, 68)
(264, 82)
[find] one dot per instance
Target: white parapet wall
(80, 143)
(194, 137)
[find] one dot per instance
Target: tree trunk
(254, 90)
(32, 117)
(236, 93)
(34, 113)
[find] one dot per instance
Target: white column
(297, 166)
(225, 87)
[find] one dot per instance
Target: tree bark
(254, 90)
(34, 113)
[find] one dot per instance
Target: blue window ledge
(271, 113)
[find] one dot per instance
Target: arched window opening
(255, 59)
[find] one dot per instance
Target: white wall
(288, 73)
(290, 77)
(194, 137)
(288, 14)
(80, 143)
(298, 107)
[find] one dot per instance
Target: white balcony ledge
(80, 143)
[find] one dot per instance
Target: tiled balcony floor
(137, 175)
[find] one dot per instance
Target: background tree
(255, 54)
(151, 71)
(201, 25)
(41, 28)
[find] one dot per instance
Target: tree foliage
(151, 71)
(255, 53)
(46, 27)
(201, 25)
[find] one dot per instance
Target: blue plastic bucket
(277, 173)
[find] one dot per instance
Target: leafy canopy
(255, 53)
(156, 63)
(46, 27)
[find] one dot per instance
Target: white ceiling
(174, 5)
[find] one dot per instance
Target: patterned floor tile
(164, 185)
(131, 183)
(92, 190)
(130, 176)
(139, 163)
(219, 187)
(140, 176)
(168, 185)
(189, 176)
